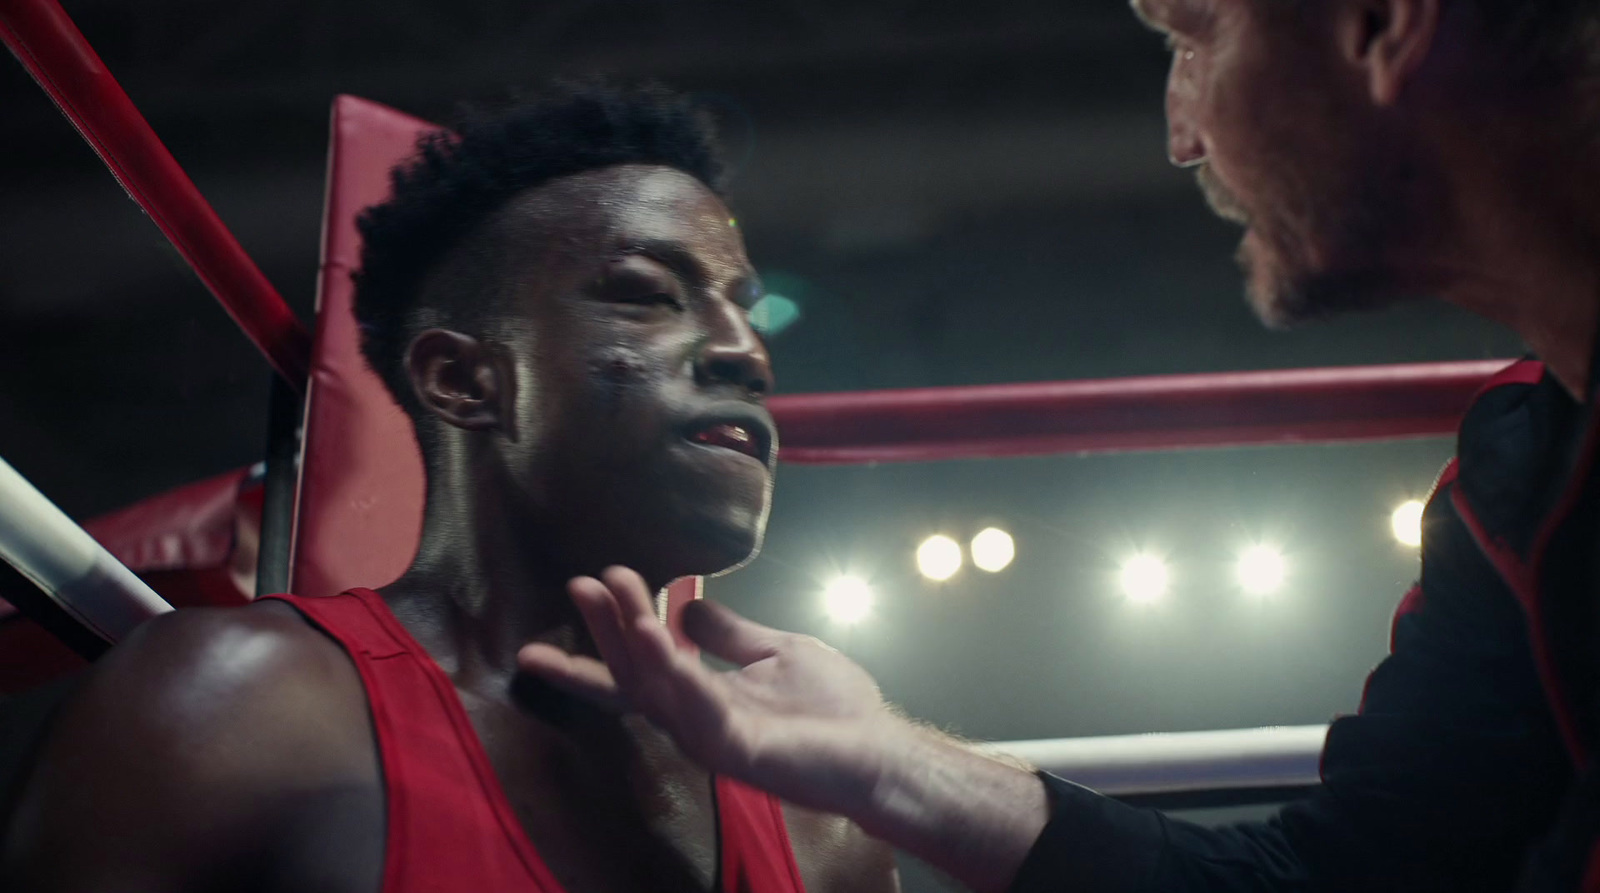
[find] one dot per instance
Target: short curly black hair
(459, 177)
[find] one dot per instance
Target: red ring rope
(51, 48)
(1167, 412)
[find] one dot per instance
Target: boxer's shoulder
(259, 678)
(208, 739)
(236, 694)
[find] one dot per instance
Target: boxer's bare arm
(805, 723)
(213, 750)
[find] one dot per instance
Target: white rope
(1242, 759)
(39, 540)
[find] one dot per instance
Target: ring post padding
(1181, 762)
(38, 539)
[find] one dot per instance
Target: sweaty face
(1282, 144)
(641, 433)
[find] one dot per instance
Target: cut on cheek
(619, 364)
(613, 374)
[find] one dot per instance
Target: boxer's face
(637, 432)
(1285, 143)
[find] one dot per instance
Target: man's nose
(734, 354)
(1185, 147)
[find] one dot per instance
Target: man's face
(1284, 143)
(640, 429)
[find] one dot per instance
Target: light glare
(993, 549)
(939, 557)
(1407, 522)
(1261, 570)
(1145, 579)
(848, 600)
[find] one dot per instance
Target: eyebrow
(671, 255)
(681, 261)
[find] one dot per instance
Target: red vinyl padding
(193, 526)
(361, 487)
(360, 503)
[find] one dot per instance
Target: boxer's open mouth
(748, 436)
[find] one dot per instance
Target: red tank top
(450, 826)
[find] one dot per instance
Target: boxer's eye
(654, 298)
(642, 290)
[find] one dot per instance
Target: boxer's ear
(1389, 40)
(460, 379)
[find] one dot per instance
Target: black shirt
(1454, 772)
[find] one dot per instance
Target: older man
(1374, 150)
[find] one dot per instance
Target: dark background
(953, 192)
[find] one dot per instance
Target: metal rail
(77, 573)
(1180, 762)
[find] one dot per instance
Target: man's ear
(460, 379)
(1389, 39)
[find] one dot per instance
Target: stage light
(848, 600)
(939, 557)
(1145, 579)
(993, 549)
(1261, 570)
(1406, 522)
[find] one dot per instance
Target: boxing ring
(339, 500)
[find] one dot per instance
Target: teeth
(729, 436)
(729, 432)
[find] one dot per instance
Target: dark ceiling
(954, 192)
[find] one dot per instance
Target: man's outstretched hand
(803, 722)
(795, 717)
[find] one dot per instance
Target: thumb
(721, 632)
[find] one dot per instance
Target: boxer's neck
(489, 577)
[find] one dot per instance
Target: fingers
(633, 595)
(645, 668)
(603, 616)
(582, 676)
(644, 662)
(609, 608)
(722, 632)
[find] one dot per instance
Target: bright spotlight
(847, 600)
(1261, 570)
(1407, 522)
(993, 549)
(939, 557)
(1145, 579)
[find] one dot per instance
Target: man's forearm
(972, 816)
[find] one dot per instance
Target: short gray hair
(1547, 42)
